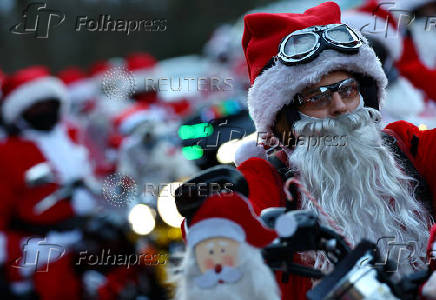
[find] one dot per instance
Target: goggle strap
(269, 64)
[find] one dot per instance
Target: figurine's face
(215, 253)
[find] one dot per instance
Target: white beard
(257, 282)
(355, 185)
(425, 41)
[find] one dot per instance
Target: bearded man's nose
(218, 268)
(338, 107)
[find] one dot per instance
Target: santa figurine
(223, 258)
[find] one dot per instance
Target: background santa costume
(418, 61)
(403, 100)
(46, 144)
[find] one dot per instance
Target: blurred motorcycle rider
(149, 157)
(418, 61)
(33, 105)
(403, 100)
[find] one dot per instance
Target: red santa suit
(18, 154)
(417, 72)
(418, 62)
(274, 85)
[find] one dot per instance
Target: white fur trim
(403, 100)
(82, 91)
(152, 115)
(411, 4)
(375, 27)
(247, 150)
(70, 160)
(29, 93)
(214, 227)
(278, 85)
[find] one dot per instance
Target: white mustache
(210, 278)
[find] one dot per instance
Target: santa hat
(275, 85)
(142, 66)
(80, 86)
(98, 68)
(139, 113)
(29, 86)
(376, 23)
(228, 215)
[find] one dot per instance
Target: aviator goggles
(304, 45)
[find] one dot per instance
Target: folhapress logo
(38, 20)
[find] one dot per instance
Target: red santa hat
(376, 23)
(130, 118)
(80, 86)
(142, 66)
(98, 68)
(71, 75)
(29, 86)
(276, 86)
(228, 215)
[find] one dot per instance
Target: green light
(199, 130)
(192, 152)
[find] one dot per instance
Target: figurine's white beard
(257, 282)
(360, 186)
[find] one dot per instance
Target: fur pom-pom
(248, 150)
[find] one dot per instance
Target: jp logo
(37, 255)
(394, 253)
(37, 21)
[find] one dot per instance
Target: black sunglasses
(348, 89)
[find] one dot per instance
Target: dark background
(189, 26)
